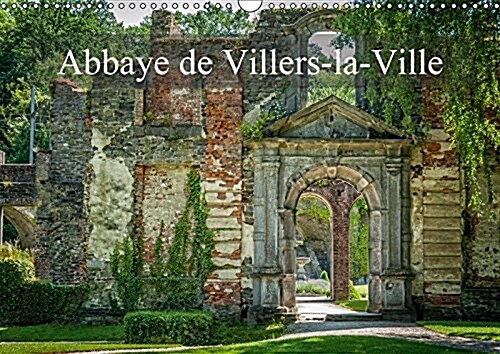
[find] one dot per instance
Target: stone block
(442, 275)
(440, 262)
(442, 249)
(223, 223)
(442, 236)
(442, 224)
(225, 274)
(442, 198)
(438, 185)
(227, 235)
(227, 248)
(442, 288)
(441, 173)
(431, 210)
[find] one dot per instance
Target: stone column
(267, 271)
(375, 261)
(393, 166)
(340, 259)
(288, 283)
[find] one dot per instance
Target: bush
(25, 301)
(353, 293)
(324, 276)
(187, 328)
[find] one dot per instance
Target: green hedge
(187, 328)
(25, 301)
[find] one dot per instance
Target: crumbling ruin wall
(481, 245)
(438, 202)
(62, 216)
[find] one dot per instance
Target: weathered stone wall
(17, 184)
(61, 230)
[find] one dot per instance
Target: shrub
(324, 276)
(353, 293)
(26, 301)
(187, 328)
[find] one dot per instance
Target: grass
(332, 344)
(54, 347)
(476, 330)
(56, 333)
(241, 333)
(355, 305)
(223, 334)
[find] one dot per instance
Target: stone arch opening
(365, 188)
(23, 220)
(331, 238)
(331, 79)
(302, 31)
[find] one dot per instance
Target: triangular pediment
(333, 118)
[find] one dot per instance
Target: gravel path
(401, 330)
(408, 331)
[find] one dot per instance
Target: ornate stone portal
(301, 152)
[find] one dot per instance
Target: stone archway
(369, 193)
(23, 220)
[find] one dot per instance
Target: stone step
(362, 316)
(322, 317)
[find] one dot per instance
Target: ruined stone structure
(121, 151)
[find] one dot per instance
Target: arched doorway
(332, 242)
(367, 190)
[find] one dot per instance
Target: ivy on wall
(190, 253)
(177, 274)
(127, 269)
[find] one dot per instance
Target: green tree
(214, 22)
(326, 83)
(33, 46)
(358, 240)
(468, 43)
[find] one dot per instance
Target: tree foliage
(467, 40)
(358, 240)
(326, 83)
(33, 45)
(214, 21)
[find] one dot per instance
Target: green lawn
(477, 330)
(355, 305)
(52, 347)
(56, 333)
(333, 344)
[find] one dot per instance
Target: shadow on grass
(333, 344)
